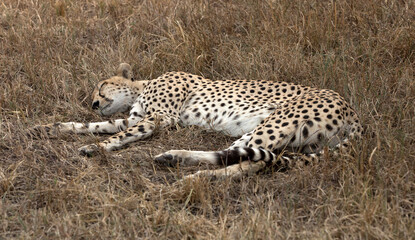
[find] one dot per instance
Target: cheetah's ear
(124, 70)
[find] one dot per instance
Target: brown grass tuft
(53, 52)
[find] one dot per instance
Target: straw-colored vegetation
(53, 52)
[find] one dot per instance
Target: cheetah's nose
(95, 105)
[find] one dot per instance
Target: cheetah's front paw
(50, 130)
(88, 150)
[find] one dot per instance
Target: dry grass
(52, 53)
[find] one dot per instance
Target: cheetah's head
(115, 94)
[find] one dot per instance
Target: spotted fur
(272, 119)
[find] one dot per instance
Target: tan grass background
(53, 52)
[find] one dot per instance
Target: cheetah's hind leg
(141, 130)
(234, 171)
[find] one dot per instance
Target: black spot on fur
(329, 127)
(258, 141)
(305, 132)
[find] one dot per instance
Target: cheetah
(279, 123)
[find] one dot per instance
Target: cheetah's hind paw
(166, 159)
(88, 150)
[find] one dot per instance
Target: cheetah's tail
(234, 155)
(279, 161)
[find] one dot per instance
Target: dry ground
(53, 52)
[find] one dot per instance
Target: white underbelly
(232, 123)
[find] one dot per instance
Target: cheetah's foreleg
(141, 130)
(112, 126)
